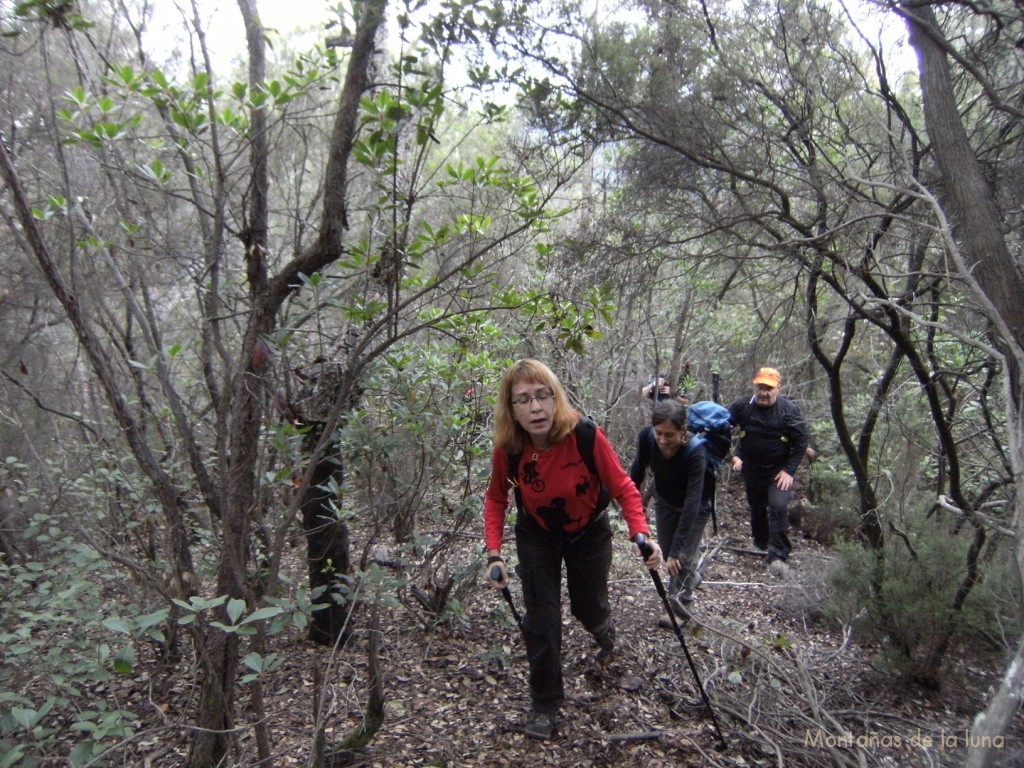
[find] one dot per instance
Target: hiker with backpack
(562, 471)
(773, 441)
(683, 495)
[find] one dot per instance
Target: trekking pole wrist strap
(492, 559)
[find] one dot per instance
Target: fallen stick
(635, 736)
(707, 557)
(737, 584)
(744, 551)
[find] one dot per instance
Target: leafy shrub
(55, 649)
(913, 610)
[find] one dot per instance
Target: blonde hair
(509, 436)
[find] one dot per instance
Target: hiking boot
(681, 611)
(778, 568)
(774, 556)
(541, 725)
(693, 581)
(606, 643)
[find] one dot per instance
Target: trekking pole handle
(496, 572)
(644, 546)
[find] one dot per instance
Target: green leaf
(235, 609)
(117, 624)
(9, 696)
(12, 756)
(152, 619)
(24, 716)
(124, 662)
(262, 613)
(197, 604)
(77, 96)
(83, 752)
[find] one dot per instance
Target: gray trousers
(679, 536)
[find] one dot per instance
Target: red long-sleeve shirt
(558, 490)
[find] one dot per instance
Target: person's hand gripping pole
(499, 580)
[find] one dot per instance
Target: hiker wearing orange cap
(773, 442)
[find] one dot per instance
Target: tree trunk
(870, 527)
(987, 263)
(327, 549)
(9, 551)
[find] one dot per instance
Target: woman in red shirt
(564, 519)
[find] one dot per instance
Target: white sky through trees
(225, 33)
(304, 22)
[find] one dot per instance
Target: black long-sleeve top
(678, 480)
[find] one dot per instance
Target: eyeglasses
(541, 397)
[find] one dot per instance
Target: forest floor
(787, 685)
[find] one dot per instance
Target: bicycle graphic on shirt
(532, 477)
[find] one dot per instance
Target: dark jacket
(772, 438)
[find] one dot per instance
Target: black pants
(769, 513)
(588, 559)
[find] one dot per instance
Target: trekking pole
(507, 594)
(645, 550)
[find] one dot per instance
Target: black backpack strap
(710, 473)
(586, 436)
(513, 479)
(650, 452)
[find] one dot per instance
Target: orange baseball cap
(768, 376)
